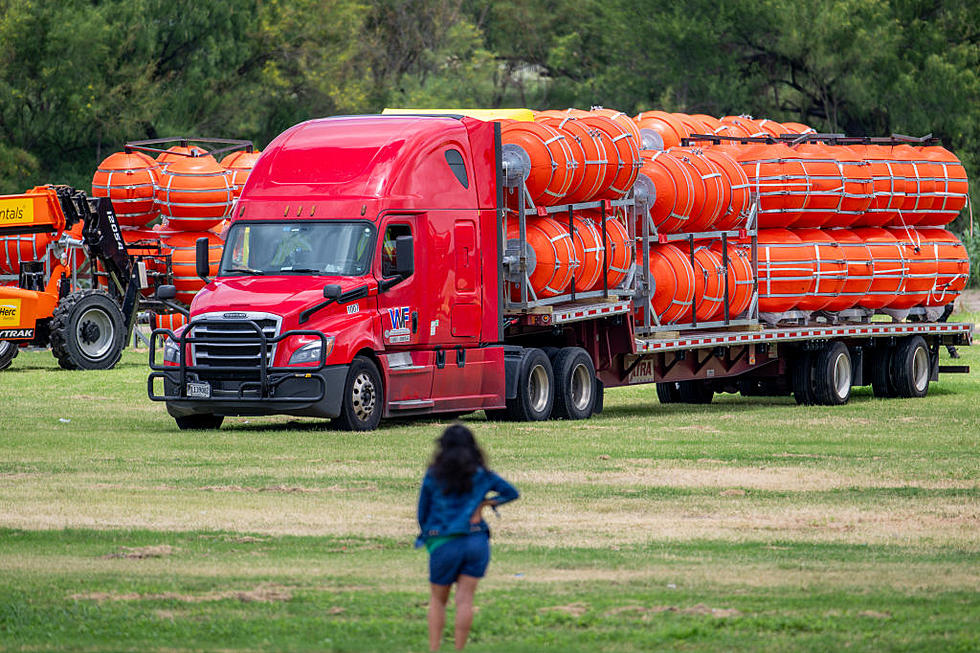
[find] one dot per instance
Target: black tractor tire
(363, 401)
(832, 375)
(882, 383)
(87, 331)
(911, 368)
(575, 384)
(8, 352)
(802, 379)
(535, 388)
(695, 392)
(667, 393)
(205, 422)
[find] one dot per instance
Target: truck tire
(911, 368)
(8, 352)
(87, 331)
(694, 392)
(832, 374)
(204, 422)
(882, 384)
(667, 393)
(802, 379)
(535, 388)
(575, 384)
(363, 401)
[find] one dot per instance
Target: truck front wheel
(575, 384)
(363, 400)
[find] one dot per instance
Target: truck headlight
(171, 351)
(310, 353)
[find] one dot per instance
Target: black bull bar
(269, 378)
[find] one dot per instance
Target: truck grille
(234, 344)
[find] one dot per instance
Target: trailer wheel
(882, 383)
(911, 368)
(667, 393)
(535, 388)
(695, 392)
(87, 331)
(802, 379)
(8, 352)
(575, 384)
(204, 422)
(832, 373)
(363, 400)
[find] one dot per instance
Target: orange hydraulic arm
(39, 210)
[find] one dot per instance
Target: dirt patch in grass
(702, 609)
(574, 609)
(292, 489)
(261, 594)
(646, 612)
(142, 552)
(874, 614)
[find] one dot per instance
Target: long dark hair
(456, 460)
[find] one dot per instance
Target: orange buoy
(953, 265)
(170, 321)
(587, 149)
(620, 142)
(740, 279)
(710, 122)
(589, 252)
(907, 178)
(797, 128)
(178, 152)
(786, 270)
(670, 129)
(744, 126)
(734, 214)
(194, 193)
(621, 119)
(674, 201)
(619, 253)
(717, 191)
(830, 269)
(700, 209)
(921, 269)
(673, 280)
(24, 248)
(887, 190)
(709, 286)
(552, 162)
(888, 269)
(129, 180)
(183, 246)
(771, 127)
(550, 252)
(858, 270)
(692, 124)
(240, 164)
(951, 187)
(777, 176)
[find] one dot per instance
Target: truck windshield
(325, 248)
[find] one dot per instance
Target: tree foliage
(80, 77)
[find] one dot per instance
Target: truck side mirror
(167, 292)
(202, 263)
(331, 291)
(404, 256)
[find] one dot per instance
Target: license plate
(202, 390)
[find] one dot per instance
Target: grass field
(746, 524)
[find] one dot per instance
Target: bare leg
(465, 588)
(438, 598)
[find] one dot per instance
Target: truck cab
(359, 280)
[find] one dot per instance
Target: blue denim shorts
(467, 555)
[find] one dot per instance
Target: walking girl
(455, 490)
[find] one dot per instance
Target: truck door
(399, 305)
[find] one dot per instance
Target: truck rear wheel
(695, 392)
(882, 384)
(205, 422)
(832, 375)
(535, 388)
(8, 352)
(363, 400)
(87, 331)
(802, 379)
(667, 393)
(911, 368)
(575, 384)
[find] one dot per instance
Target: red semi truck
(363, 277)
